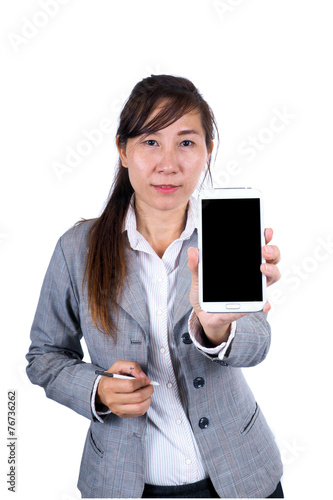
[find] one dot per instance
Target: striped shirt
(172, 454)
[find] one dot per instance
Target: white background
(250, 59)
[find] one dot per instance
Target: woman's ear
(210, 150)
(122, 153)
(209, 153)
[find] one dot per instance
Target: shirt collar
(134, 236)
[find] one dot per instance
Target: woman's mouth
(166, 188)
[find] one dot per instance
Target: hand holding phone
(231, 237)
(216, 325)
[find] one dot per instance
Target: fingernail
(269, 249)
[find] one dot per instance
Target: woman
(127, 282)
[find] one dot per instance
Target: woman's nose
(168, 162)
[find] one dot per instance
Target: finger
(193, 260)
(136, 396)
(123, 367)
(120, 386)
(267, 307)
(271, 272)
(140, 399)
(271, 254)
(268, 235)
(132, 410)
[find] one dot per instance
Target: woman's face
(164, 167)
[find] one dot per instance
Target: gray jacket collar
(133, 298)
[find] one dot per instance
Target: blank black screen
(231, 250)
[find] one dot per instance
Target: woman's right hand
(125, 398)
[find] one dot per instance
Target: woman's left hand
(217, 325)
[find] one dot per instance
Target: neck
(160, 229)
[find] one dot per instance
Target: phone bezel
(222, 307)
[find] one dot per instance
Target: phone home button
(232, 306)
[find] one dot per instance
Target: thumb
(193, 260)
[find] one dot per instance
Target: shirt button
(159, 280)
(203, 423)
(160, 312)
(169, 385)
(178, 421)
(198, 382)
(188, 461)
(162, 350)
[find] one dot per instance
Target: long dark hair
(105, 271)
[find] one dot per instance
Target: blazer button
(186, 338)
(198, 382)
(203, 423)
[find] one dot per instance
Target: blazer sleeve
(55, 357)
(251, 342)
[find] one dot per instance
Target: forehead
(190, 121)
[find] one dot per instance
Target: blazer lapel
(183, 284)
(132, 299)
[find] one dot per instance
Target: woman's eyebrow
(188, 131)
(181, 132)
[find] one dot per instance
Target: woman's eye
(151, 142)
(187, 143)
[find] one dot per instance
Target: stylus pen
(115, 375)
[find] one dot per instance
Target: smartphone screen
(231, 250)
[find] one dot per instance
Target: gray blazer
(237, 445)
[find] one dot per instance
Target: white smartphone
(231, 237)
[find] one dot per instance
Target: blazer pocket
(250, 419)
(95, 445)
